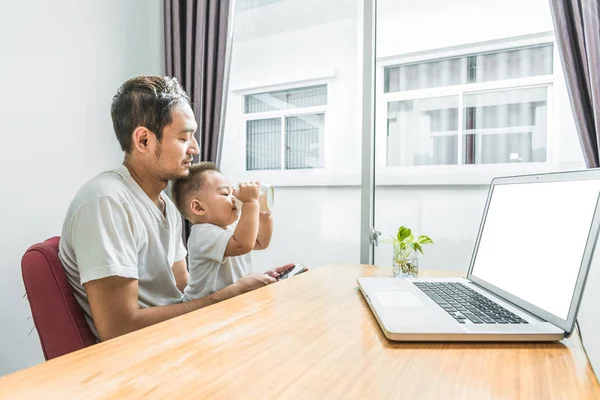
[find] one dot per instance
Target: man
(121, 244)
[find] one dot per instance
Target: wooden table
(310, 337)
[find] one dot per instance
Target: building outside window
(476, 108)
(285, 128)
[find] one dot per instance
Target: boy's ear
(198, 207)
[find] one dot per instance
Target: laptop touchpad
(399, 298)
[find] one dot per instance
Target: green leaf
(405, 244)
(403, 233)
(417, 247)
(424, 240)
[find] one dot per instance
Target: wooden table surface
(310, 337)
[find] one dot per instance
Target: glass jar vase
(406, 268)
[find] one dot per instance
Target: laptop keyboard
(463, 303)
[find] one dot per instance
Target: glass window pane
(505, 126)
(492, 66)
(445, 72)
(512, 64)
(311, 47)
(423, 132)
(263, 144)
(304, 141)
(243, 5)
(517, 125)
(309, 96)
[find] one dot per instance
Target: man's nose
(194, 148)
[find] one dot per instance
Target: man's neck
(151, 185)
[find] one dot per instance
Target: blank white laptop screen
(533, 240)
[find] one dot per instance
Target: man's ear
(198, 207)
(143, 139)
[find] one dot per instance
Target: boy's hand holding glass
(266, 197)
(247, 192)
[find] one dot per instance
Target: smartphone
(295, 270)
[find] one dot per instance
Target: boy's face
(216, 202)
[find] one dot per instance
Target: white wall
(61, 63)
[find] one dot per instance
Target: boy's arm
(246, 231)
(265, 231)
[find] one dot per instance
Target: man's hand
(277, 271)
(250, 282)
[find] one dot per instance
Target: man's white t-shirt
(113, 228)
(210, 270)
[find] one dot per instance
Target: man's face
(218, 199)
(175, 152)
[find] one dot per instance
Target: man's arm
(115, 309)
(181, 274)
(265, 231)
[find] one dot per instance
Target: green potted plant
(406, 250)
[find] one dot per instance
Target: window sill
(450, 175)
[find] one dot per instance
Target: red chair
(58, 318)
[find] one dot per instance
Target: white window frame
(300, 175)
(462, 173)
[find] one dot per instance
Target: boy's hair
(145, 101)
(183, 188)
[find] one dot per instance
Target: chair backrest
(58, 318)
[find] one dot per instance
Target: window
(243, 5)
(478, 108)
(285, 128)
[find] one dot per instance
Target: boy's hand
(247, 192)
(264, 214)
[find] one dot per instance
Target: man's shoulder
(106, 184)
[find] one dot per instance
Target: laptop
(527, 272)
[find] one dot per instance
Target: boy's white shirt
(210, 270)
